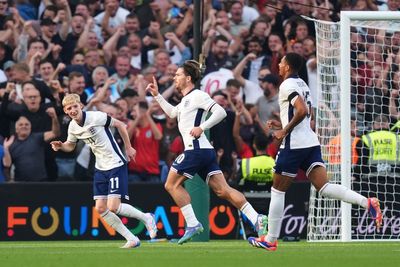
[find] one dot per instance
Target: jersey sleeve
(205, 101)
(289, 92)
(71, 138)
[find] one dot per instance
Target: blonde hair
(71, 99)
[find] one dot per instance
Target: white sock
(131, 212)
(340, 192)
(276, 207)
(115, 222)
(248, 210)
(189, 215)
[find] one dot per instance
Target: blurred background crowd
(108, 51)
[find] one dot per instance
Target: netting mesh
(374, 70)
(375, 80)
(324, 214)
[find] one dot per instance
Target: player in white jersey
(199, 155)
(111, 173)
(300, 149)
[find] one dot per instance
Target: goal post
(343, 83)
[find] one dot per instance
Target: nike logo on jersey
(113, 191)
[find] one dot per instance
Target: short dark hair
(37, 40)
(254, 39)
(220, 38)
(44, 61)
(192, 68)
(295, 61)
(219, 92)
(233, 82)
(51, 8)
(261, 142)
(75, 74)
(29, 82)
(143, 105)
(128, 93)
(78, 51)
(132, 15)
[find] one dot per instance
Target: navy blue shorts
(112, 183)
(200, 161)
(289, 161)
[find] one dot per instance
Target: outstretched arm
(63, 146)
(169, 109)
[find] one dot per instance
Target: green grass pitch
(213, 253)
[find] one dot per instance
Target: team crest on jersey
(92, 130)
(187, 103)
(148, 134)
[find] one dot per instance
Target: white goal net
(358, 83)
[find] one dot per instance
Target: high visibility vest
(334, 150)
(258, 169)
(383, 146)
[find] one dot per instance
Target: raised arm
(175, 40)
(169, 109)
(7, 160)
(111, 44)
(187, 22)
(6, 34)
(208, 42)
(393, 109)
(236, 132)
(100, 95)
(157, 133)
(155, 31)
(105, 23)
(65, 16)
(55, 125)
(83, 38)
(238, 70)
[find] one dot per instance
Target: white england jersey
(192, 111)
(302, 135)
(95, 132)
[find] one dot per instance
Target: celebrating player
(199, 155)
(111, 173)
(300, 148)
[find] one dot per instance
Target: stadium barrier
(64, 211)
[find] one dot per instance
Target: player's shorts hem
(187, 175)
(100, 197)
(113, 196)
(211, 174)
(292, 175)
(313, 166)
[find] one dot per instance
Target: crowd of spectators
(108, 51)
